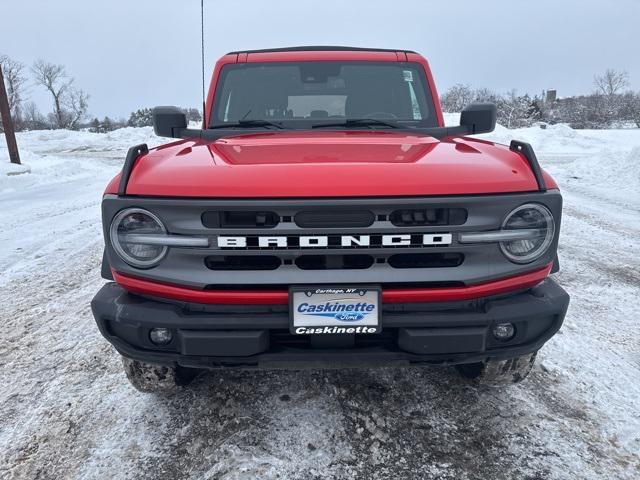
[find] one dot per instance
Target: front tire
(497, 373)
(152, 378)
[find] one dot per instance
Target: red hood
(330, 164)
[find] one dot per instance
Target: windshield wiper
(359, 122)
(249, 124)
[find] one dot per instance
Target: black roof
(320, 48)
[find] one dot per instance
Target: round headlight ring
(540, 249)
(121, 251)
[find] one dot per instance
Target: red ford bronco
(324, 216)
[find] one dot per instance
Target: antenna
(204, 104)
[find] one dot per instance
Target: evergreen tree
(107, 125)
(95, 126)
(141, 118)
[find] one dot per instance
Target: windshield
(307, 94)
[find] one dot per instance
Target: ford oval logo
(349, 316)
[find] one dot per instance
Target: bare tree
(33, 119)
(486, 95)
(635, 109)
(193, 114)
(55, 79)
(630, 111)
(15, 85)
(515, 111)
(611, 82)
(457, 97)
(609, 87)
(76, 103)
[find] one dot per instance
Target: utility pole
(7, 123)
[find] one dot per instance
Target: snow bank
(61, 141)
(601, 158)
(10, 169)
(59, 156)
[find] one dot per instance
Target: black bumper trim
(424, 333)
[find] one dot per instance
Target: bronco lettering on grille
(335, 241)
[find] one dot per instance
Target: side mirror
(479, 118)
(169, 121)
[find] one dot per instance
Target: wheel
(499, 372)
(149, 377)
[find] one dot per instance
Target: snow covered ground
(67, 411)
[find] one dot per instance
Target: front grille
(313, 240)
(392, 242)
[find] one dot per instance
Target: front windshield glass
(307, 94)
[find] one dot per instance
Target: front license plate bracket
(335, 310)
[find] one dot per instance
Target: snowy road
(67, 411)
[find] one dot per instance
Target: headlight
(127, 237)
(535, 223)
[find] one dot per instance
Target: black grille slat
(334, 262)
(334, 218)
(247, 262)
(240, 219)
(428, 216)
(426, 260)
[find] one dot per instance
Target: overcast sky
(129, 54)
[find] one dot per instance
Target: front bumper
(257, 336)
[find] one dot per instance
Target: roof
(321, 48)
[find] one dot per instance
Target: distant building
(551, 96)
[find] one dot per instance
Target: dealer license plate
(334, 310)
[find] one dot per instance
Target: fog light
(161, 336)
(504, 331)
